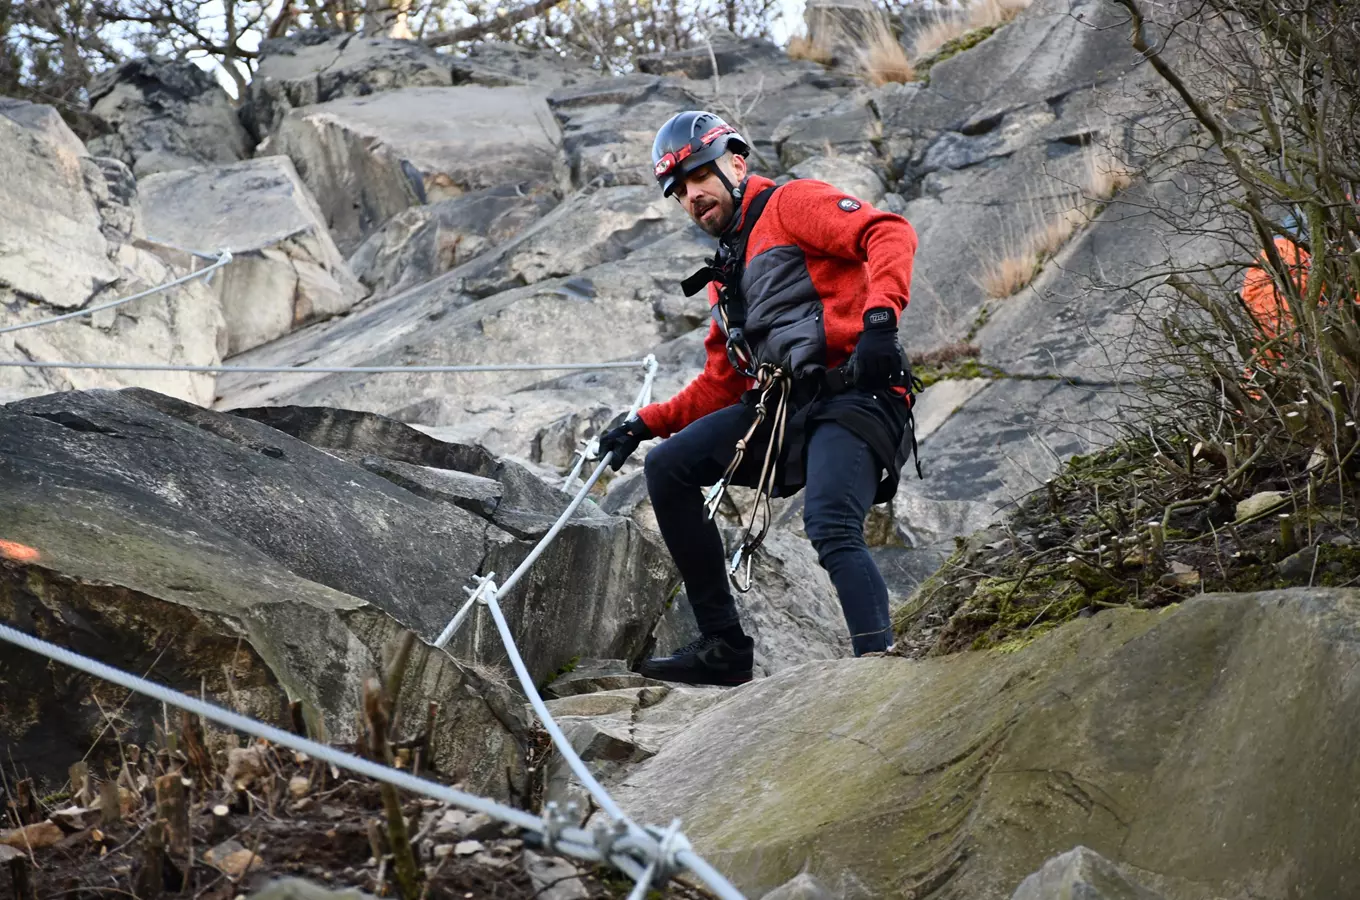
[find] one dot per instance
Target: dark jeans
(842, 476)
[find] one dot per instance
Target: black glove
(878, 356)
(623, 440)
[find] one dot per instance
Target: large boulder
(71, 236)
(424, 241)
(316, 66)
(368, 158)
(1001, 445)
(1080, 874)
(608, 126)
(1206, 749)
(166, 115)
(601, 313)
(285, 271)
(151, 517)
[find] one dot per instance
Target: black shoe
(709, 660)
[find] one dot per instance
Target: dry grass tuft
(949, 353)
(1010, 274)
(803, 47)
(884, 59)
(990, 14)
(994, 13)
(1106, 175)
(1014, 271)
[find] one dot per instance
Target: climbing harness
(771, 381)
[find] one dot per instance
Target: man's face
(706, 199)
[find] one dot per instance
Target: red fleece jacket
(858, 258)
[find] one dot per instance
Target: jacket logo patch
(848, 204)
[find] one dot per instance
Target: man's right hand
(623, 440)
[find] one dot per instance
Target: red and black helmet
(689, 140)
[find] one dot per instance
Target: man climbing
(805, 385)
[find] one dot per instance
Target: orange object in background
(19, 552)
(1263, 299)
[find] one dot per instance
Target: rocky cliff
(265, 538)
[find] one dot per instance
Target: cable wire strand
(222, 258)
(322, 370)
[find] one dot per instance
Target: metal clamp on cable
(664, 864)
(554, 823)
(588, 450)
(477, 594)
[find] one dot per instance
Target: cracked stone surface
(315, 66)
(72, 235)
(960, 776)
(286, 270)
(226, 529)
(1081, 873)
(166, 115)
(367, 158)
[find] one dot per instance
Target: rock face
(1080, 874)
(71, 236)
(957, 777)
(166, 115)
(315, 67)
(605, 312)
(424, 241)
(151, 517)
(286, 270)
(368, 158)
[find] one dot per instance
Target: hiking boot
(709, 660)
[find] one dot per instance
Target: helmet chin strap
(737, 212)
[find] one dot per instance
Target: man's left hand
(878, 357)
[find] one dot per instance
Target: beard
(713, 219)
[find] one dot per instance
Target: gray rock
(166, 115)
(368, 158)
(472, 492)
(553, 878)
(525, 509)
(72, 227)
(941, 400)
(286, 270)
(1055, 48)
(1078, 319)
(802, 887)
(959, 776)
(608, 126)
(300, 889)
(421, 242)
(501, 64)
(601, 313)
(158, 518)
(585, 230)
(842, 26)
(173, 492)
(1001, 445)
(846, 126)
(857, 180)
(315, 67)
(1080, 874)
(731, 55)
(971, 220)
(1300, 564)
(593, 675)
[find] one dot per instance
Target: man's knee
(833, 527)
(663, 466)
